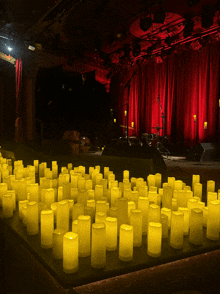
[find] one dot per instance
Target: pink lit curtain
(187, 84)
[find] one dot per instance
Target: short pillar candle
(212, 232)
(70, 253)
(126, 174)
(111, 233)
(198, 190)
(196, 227)
(143, 205)
(84, 231)
(126, 243)
(176, 231)
(154, 239)
(57, 245)
(32, 218)
(98, 250)
(136, 223)
(47, 227)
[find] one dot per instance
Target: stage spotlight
(145, 23)
(159, 16)
(207, 15)
(189, 25)
(192, 3)
(136, 49)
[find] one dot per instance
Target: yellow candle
(33, 189)
(78, 209)
(3, 191)
(151, 180)
(174, 205)
(91, 203)
(126, 243)
(111, 233)
(185, 212)
(126, 174)
(181, 198)
(24, 215)
(75, 226)
(178, 185)
(205, 216)
(167, 212)
(122, 211)
(74, 193)
(100, 217)
(154, 239)
(20, 205)
(7, 205)
(81, 183)
(101, 206)
(115, 194)
(167, 197)
(194, 118)
(47, 227)
(32, 218)
(164, 223)
(132, 124)
(84, 231)
(82, 197)
(134, 196)
(63, 215)
(66, 190)
(195, 179)
(205, 125)
(70, 253)
(98, 192)
(113, 211)
(198, 190)
(187, 188)
(88, 184)
(12, 192)
(201, 205)
(153, 213)
(171, 182)
(49, 197)
(74, 181)
(192, 203)
(211, 196)
(143, 205)
(98, 250)
(212, 232)
(143, 191)
(36, 165)
(131, 205)
(136, 223)
(176, 230)
(196, 227)
(91, 194)
(125, 112)
(158, 180)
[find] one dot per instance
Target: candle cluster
(80, 215)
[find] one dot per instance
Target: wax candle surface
(212, 232)
(63, 215)
(70, 253)
(126, 243)
(84, 231)
(154, 239)
(7, 205)
(47, 227)
(196, 226)
(176, 231)
(57, 244)
(32, 218)
(111, 233)
(136, 223)
(98, 250)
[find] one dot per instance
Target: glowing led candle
(98, 192)
(32, 218)
(167, 212)
(131, 205)
(3, 191)
(12, 192)
(151, 180)
(158, 179)
(143, 191)
(36, 165)
(164, 223)
(7, 206)
(75, 226)
(171, 181)
(84, 231)
(113, 211)
(194, 118)
(136, 223)
(88, 184)
(122, 211)
(154, 239)
(205, 216)
(100, 217)
(70, 253)
(47, 227)
(210, 186)
(24, 214)
(174, 205)
(91, 203)
(82, 197)
(178, 185)
(196, 226)
(192, 203)
(98, 250)
(132, 124)
(185, 212)
(115, 194)
(212, 232)
(126, 174)
(63, 215)
(81, 183)
(211, 196)
(143, 205)
(153, 213)
(78, 209)
(205, 125)
(198, 190)
(126, 243)
(33, 189)
(176, 230)
(111, 233)
(20, 205)
(181, 198)
(167, 197)
(195, 179)
(49, 197)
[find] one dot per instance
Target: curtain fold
(187, 84)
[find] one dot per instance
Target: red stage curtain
(18, 79)
(187, 84)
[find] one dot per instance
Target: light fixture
(9, 48)
(145, 23)
(32, 48)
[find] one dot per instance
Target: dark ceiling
(106, 33)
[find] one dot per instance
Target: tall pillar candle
(176, 230)
(100, 217)
(88, 184)
(12, 192)
(198, 190)
(20, 205)
(115, 194)
(143, 191)
(185, 212)
(126, 243)
(63, 215)
(33, 189)
(78, 209)
(98, 250)
(211, 196)
(164, 223)
(126, 174)
(154, 239)
(32, 218)
(57, 248)
(153, 213)
(158, 180)
(210, 186)
(196, 227)
(167, 211)
(7, 206)
(167, 197)
(151, 180)
(75, 226)
(111, 233)
(81, 183)
(181, 198)
(131, 205)
(47, 227)
(178, 185)
(84, 231)
(3, 191)
(49, 197)
(171, 181)
(70, 253)
(136, 223)
(195, 179)
(106, 170)
(82, 197)
(212, 232)
(143, 205)
(122, 211)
